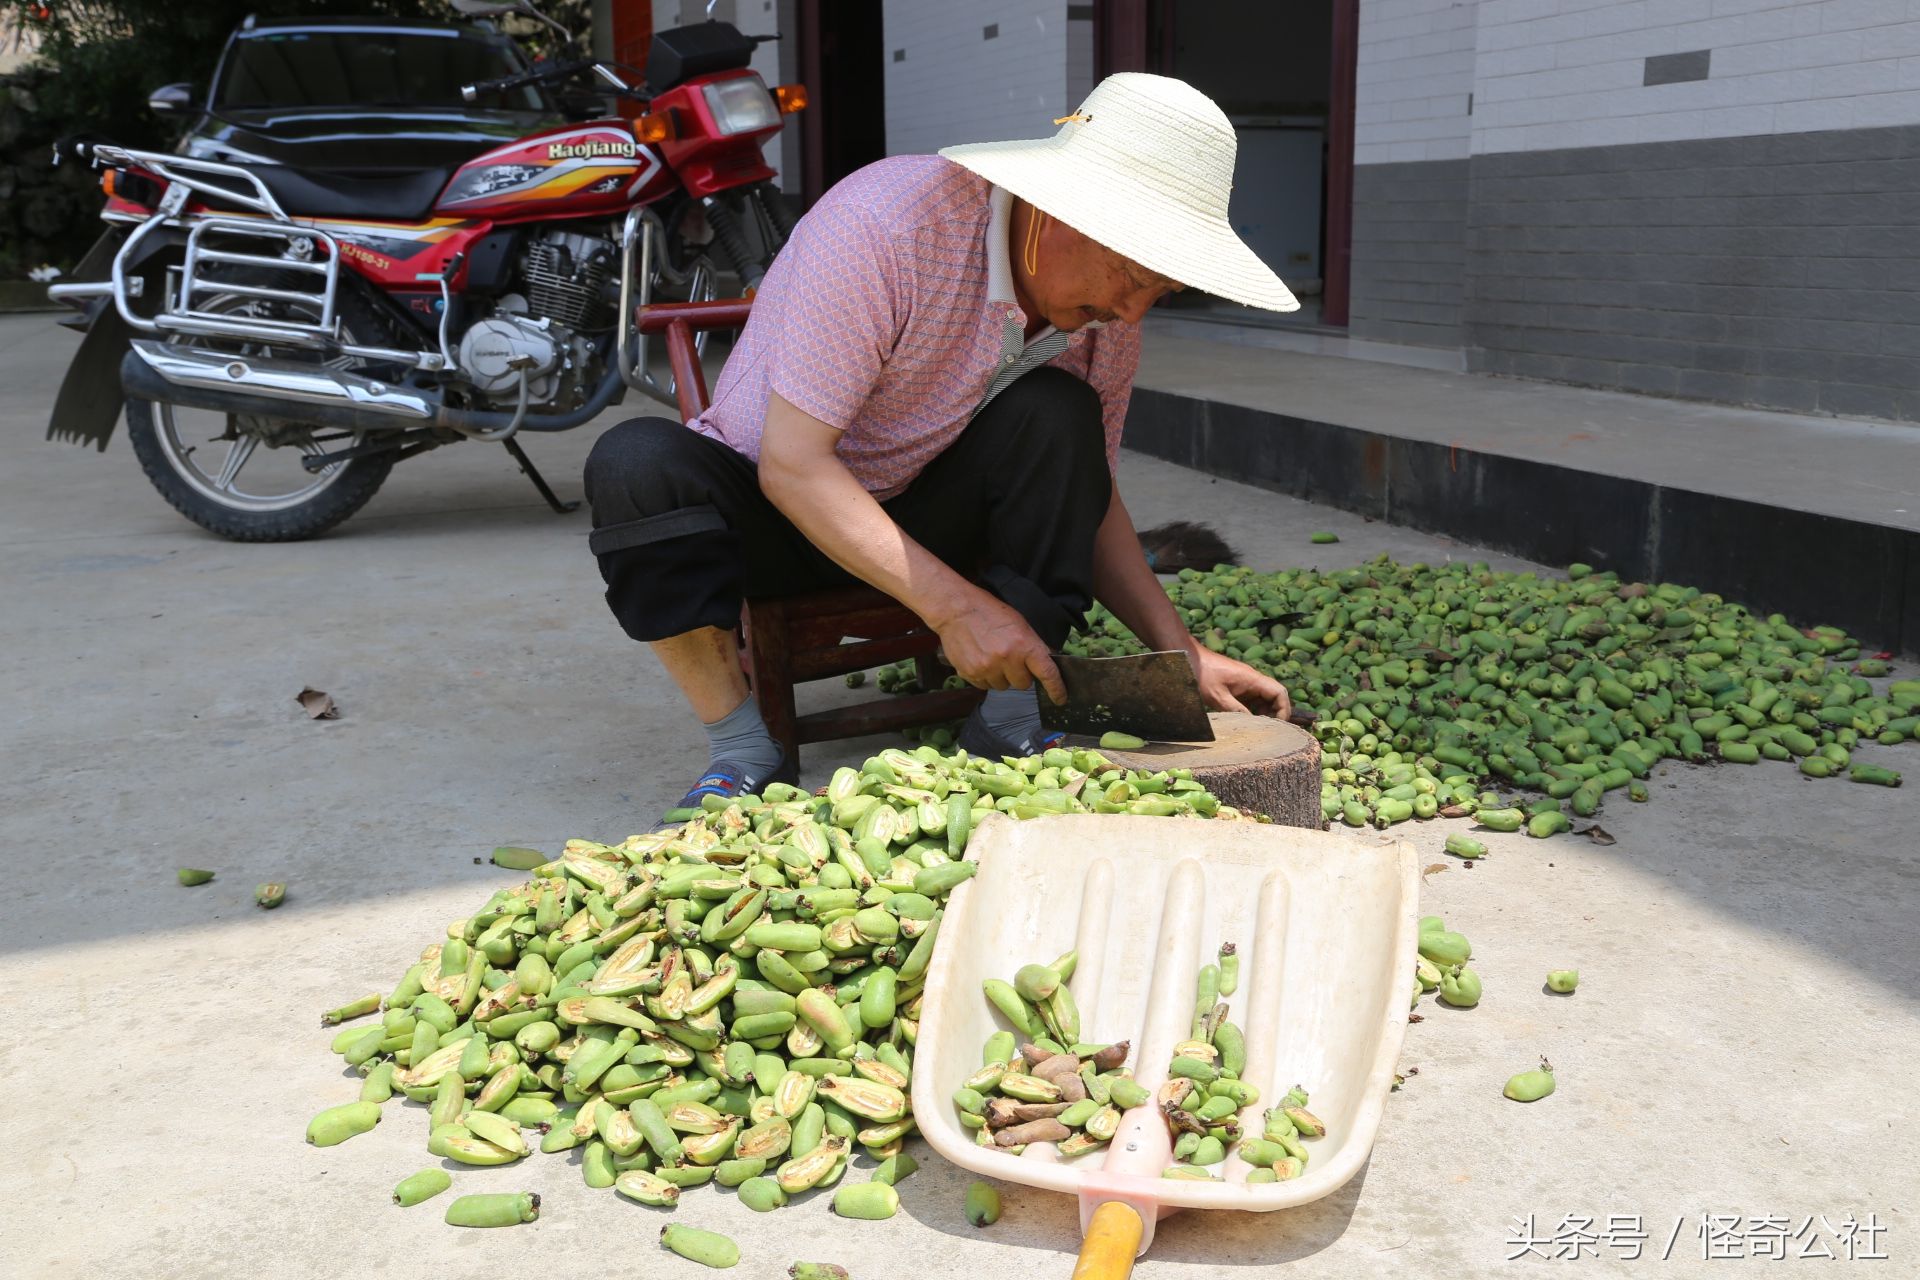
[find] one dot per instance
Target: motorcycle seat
(403, 196)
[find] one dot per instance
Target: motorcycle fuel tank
(573, 171)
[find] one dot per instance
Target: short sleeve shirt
(887, 316)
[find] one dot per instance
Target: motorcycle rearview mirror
(171, 99)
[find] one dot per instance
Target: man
(928, 398)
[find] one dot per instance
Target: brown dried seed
(1047, 1130)
(1060, 1064)
(1180, 1120)
(1002, 1112)
(1114, 1055)
(1034, 1054)
(1072, 1088)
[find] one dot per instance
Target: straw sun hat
(1144, 167)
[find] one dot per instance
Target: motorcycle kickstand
(519, 455)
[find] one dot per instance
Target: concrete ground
(1737, 1047)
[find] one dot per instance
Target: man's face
(1078, 280)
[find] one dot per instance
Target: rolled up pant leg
(683, 533)
(1019, 497)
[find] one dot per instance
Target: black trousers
(683, 533)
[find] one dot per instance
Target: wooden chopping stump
(1255, 763)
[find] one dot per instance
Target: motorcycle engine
(568, 293)
(497, 350)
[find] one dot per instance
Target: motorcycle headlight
(741, 105)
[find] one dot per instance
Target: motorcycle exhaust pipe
(268, 388)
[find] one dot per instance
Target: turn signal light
(790, 98)
(653, 127)
(107, 180)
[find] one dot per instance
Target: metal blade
(1150, 695)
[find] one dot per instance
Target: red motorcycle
(331, 325)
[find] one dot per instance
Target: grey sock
(740, 739)
(1014, 714)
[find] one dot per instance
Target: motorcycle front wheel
(241, 476)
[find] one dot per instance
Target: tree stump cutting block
(1255, 763)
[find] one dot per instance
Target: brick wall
(950, 81)
(1411, 133)
(1781, 270)
(1409, 252)
(1413, 76)
(1555, 74)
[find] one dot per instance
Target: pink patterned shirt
(886, 316)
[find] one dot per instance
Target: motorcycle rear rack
(211, 239)
(303, 252)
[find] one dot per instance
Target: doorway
(1282, 71)
(845, 126)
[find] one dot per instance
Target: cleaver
(1150, 695)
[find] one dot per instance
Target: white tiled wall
(1415, 70)
(1568, 73)
(953, 85)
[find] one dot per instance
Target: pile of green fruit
(1429, 682)
(735, 1000)
(1051, 1087)
(1440, 964)
(1203, 1094)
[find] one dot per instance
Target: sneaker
(726, 781)
(977, 738)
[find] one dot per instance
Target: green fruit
(1531, 1086)
(424, 1185)
(1563, 980)
(508, 1209)
(983, 1204)
(1444, 947)
(336, 1124)
(708, 1248)
(869, 1200)
(1460, 987)
(762, 1194)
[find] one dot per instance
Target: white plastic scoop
(1324, 924)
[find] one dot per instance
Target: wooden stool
(792, 639)
(1254, 763)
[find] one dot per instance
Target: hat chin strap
(1037, 220)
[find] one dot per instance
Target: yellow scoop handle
(1112, 1240)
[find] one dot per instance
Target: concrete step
(1816, 518)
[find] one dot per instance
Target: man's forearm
(842, 519)
(1124, 583)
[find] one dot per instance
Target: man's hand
(1231, 685)
(991, 646)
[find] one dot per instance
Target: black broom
(1185, 544)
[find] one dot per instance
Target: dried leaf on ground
(318, 704)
